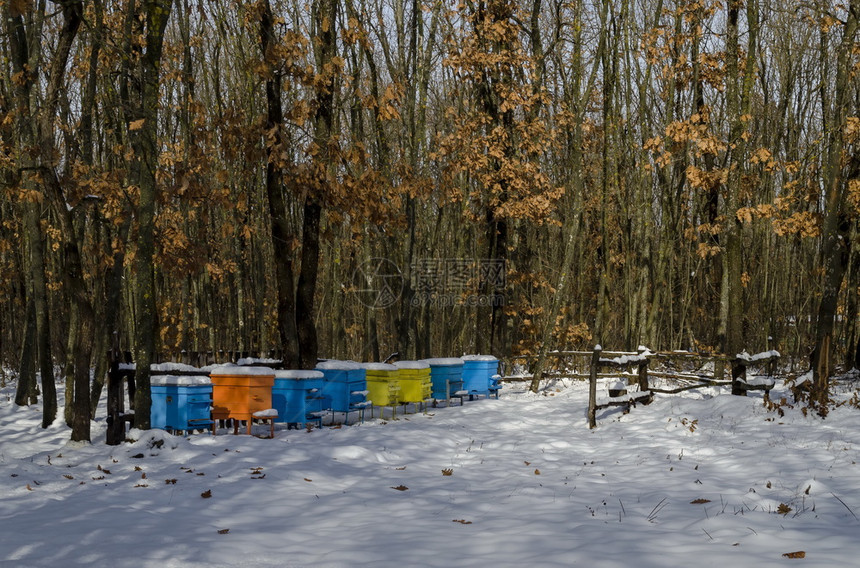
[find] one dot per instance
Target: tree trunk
(324, 13)
(142, 133)
(738, 78)
(111, 316)
(25, 46)
(852, 312)
(27, 369)
(835, 248)
(308, 346)
(73, 274)
(282, 238)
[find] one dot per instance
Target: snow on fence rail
(617, 396)
(570, 364)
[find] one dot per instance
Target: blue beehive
(446, 374)
(298, 396)
(480, 375)
(345, 386)
(181, 402)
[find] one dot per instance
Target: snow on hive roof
(257, 361)
(170, 367)
(478, 358)
(179, 380)
(412, 365)
(379, 367)
(167, 367)
(444, 361)
(231, 369)
(334, 365)
(291, 374)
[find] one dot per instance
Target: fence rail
(692, 370)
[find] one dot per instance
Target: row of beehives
(244, 392)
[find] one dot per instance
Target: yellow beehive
(383, 384)
(415, 383)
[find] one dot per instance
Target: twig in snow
(652, 516)
(707, 533)
(844, 505)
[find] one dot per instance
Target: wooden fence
(687, 370)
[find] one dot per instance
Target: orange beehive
(239, 392)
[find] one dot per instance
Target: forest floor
(700, 478)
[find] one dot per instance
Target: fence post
(643, 375)
(739, 375)
(592, 387)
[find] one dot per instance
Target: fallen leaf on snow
(448, 472)
(699, 501)
(206, 494)
(223, 531)
(401, 488)
(462, 521)
(798, 554)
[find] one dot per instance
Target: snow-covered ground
(701, 478)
